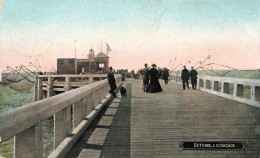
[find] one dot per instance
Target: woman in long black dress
(154, 85)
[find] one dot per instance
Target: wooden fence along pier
(49, 85)
(143, 124)
(243, 90)
(24, 123)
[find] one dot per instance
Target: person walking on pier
(112, 82)
(185, 76)
(145, 73)
(193, 76)
(154, 85)
(165, 75)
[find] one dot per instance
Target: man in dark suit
(112, 82)
(193, 76)
(185, 76)
(145, 73)
(165, 75)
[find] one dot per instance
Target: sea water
(11, 99)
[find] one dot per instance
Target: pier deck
(152, 125)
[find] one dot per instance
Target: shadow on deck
(152, 125)
(109, 134)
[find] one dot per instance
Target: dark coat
(145, 74)
(165, 72)
(111, 81)
(185, 75)
(154, 85)
(111, 78)
(193, 74)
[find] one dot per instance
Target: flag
(108, 48)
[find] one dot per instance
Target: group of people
(151, 79)
(186, 75)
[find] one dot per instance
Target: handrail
(30, 114)
(20, 120)
(78, 75)
(221, 86)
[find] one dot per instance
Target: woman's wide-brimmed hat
(153, 65)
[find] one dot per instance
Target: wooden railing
(49, 85)
(243, 90)
(25, 123)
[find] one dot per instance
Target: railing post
(49, 87)
(253, 98)
(28, 144)
(198, 83)
(67, 84)
(78, 112)
(204, 83)
(62, 125)
(235, 90)
(222, 86)
(91, 79)
(212, 85)
(35, 95)
(40, 91)
(62, 120)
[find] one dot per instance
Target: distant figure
(165, 75)
(193, 76)
(154, 85)
(112, 82)
(145, 73)
(185, 76)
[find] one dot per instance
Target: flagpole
(75, 50)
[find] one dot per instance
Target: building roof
(101, 55)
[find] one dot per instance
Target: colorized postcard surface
(51, 47)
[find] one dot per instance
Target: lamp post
(197, 63)
(208, 57)
(173, 63)
(176, 67)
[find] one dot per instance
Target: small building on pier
(94, 64)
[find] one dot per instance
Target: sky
(137, 31)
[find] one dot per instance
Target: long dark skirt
(154, 87)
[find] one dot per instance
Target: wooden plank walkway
(152, 125)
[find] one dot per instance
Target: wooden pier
(49, 85)
(88, 122)
(152, 125)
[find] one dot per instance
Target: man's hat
(110, 68)
(184, 65)
(153, 65)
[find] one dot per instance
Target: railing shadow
(113, 133)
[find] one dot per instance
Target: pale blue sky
(136, 27)
(129, 14)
